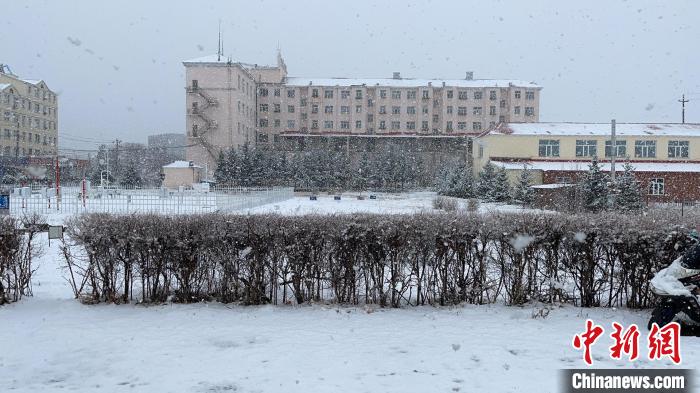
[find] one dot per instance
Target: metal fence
(77, 199)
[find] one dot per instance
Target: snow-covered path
(51, 342)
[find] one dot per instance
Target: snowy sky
(117, 64)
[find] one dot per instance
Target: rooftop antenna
(219, 48)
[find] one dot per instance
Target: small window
(678, 149)
(345, 94)
(549, 148)
(492, 110)
(656, 186)
(358, 124)
(328, 124)
(290, 108)
(621, 148)
(463, 95)
(492, 95)
(195, 84)
(449, 93)
(529, 95)
(645, 149)
(263, 92)
(396, 94)
(358, 94)
(449, 126)
(426, 95)
(529, 111)
(395, 125)
(328, 94)
(291, 93)
(345, 125)
(344, 109)
(586, 148)
(517, 94)
(410, 125)
(411, 94)
(314, 93)
(328, 109)
(314, 108)
(476, 110)
(478, 95)
(476, 126)
(462, 111)
(382, 93)
(411, 110)
(396, 110)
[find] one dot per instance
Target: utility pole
(116, 158)
(683, 101)
(613, 150)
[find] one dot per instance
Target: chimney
(397, 75)
(470, 75)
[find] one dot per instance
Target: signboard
(55, 232)
(4, 204)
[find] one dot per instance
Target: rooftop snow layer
(296, 81)
(605, 167)
(4, 86)
(182, 164)
(597, 129)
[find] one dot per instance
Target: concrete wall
(176, 177)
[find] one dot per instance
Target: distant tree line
(388, 169)
(595, 189)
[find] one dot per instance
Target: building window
(620, 147)
(262, 92)
(396, 110)
(328, 124)
(549, 148)
(449, 126)
(424, 125)
(461, 125)
(529, 95)
(314, 124)
(462, 95)
(328, 109)
(370, 102)
(370, 118)
(328, 93)
(450, 93)
(358, 94)
(314, 93)
(678, 149)
(290, 108)
(476, 110)
(262, 138)
(358, 108)
(304, 116)
(425, 110)
(476, 126)
(345, 125)
(517, 94)
(277, 123)
(382, 93)
(264, 107)
(411, 94)
(656, 186)
(503, 103)
(462, 111)
(263, 123)
(516, 110)
(277, 92)
(344, 109)
(382, 125)
(449, 109)
(396, 94)
(478, 95)
(291, 93)
(492, 95)
(411, 125)
(436, 118)
(586, 148)
(645, 149)
(291, 124)
(302, 102)
(492, 110)
(395, 125)
(345, 94)
(529, 111)
(382, 109)
(358, 124)
(276, 108)
(426, 95)
(411, 110)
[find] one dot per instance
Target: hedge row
(389, 260)
(17, 250)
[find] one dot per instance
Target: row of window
(11, 151)
(16, 103)
(395, 94)
(28, 137)
(589, 148)
(28, 121)
(396, 110)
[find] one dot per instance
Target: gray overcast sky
(117, 64)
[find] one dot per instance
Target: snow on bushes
(17, 249)
(388, 260)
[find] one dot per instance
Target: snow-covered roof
(404, 82)
(4, 86)
(32, 81)
(597, 129)
(209, 59)
(182, 164)
(605, 167)
(553, 185)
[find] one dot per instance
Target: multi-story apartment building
(665, 157)
(29, 121)
(231, 103)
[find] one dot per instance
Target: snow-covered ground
(404, 203)
(51, 342)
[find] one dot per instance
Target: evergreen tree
(455, 180)
(628, 196)
(594, 188)
(523, 192)
(485, 185)
(221, 173)
(131, 177)
(500, 192)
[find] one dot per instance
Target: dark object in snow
(336, 197)
(691, 259)
(313, 198)
(372, 197)
(360, 197)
